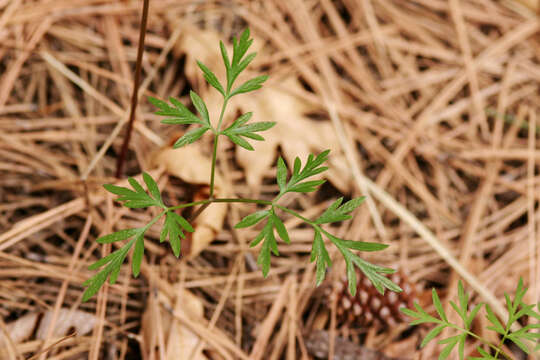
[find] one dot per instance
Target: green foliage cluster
(239, 132)
(517, 309)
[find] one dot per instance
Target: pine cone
(369, 306)
(318, 345)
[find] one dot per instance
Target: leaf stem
(216, 138)
(294, 213)
(213, 170)
(499, 347)
(242, 200)
(220, 200)
(308, 221)
(481, 339)
(225, 101)
(330, 236)
(281, 193)
(156, 218)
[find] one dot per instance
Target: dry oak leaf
(408, 345)
(180, 342)
(192, 166)
(23, 328)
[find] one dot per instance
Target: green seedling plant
(299, 179)
(517, 309)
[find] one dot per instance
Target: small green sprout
(239, 132)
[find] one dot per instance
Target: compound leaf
(135, 185)
(114, 261)
(190, 137)
(269, 246)
(311, 168)
(305, 187)
(432, 334)
(281, 229)
(224, 55)
(135, 199)
(320, 255)
(240, 141)
(153, 188)
(337, 213)
(438, 305)
(238, 129)
(250, 85)
(497, 326)
(485, 355)
(244, 63)
(281, 173)
(250, 128)
(241, 120)
(118, 236)
(173, 226)
(257, 239)
(463, 301)
(118, 190)
(461, 345)
(372, 272)
(252, 219)
(211, 78)
(363, 246)
(177, 114)
(138, 253)
(472, 315)
(451, 343)
(184, 224)
(200, 106)
(240, 47)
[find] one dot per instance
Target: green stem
(156, 218)
(222, 200)
(225, 101)
(186, 205)
(499, 347)
(294, 213)
(214, 152)
(213, 170)
(328, 235)
(481, 339)
(279, 196)
(242, 200)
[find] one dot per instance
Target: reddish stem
(134, 96)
